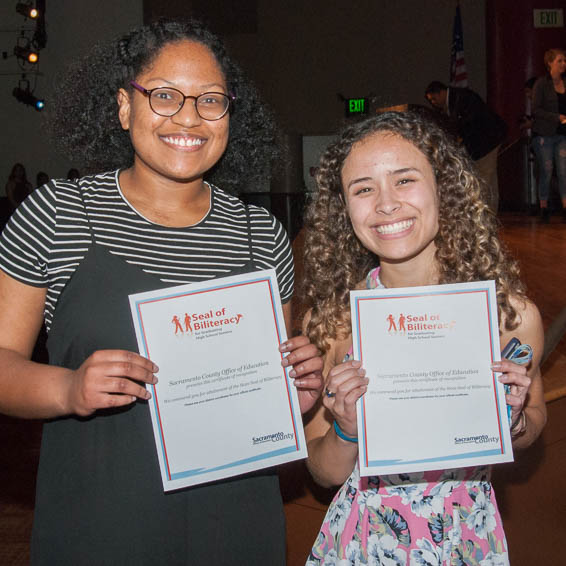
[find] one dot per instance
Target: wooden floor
(531, 492)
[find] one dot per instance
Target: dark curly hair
(84, 123)
(467, 245)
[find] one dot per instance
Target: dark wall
(302, 55)
(223, 17)
(516, 50)
(73, 27)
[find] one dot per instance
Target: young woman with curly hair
(158, 111)
(399, 206)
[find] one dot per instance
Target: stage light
(27, 10)
(26, 54)
(25, 96)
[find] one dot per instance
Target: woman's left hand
(516, 377)
(307, 369)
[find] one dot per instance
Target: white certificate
(223, 405)
(432, 401)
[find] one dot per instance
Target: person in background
(169, 111)
(479, 128)
(41, 178)
(73, 174)
(18, 187)
(549, 129)
(399, 205)
(526, 120)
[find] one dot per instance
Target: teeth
(183, 142)
(394, 228)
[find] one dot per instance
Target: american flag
(458, 71)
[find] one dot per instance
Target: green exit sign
(355, 106)
(551, 18)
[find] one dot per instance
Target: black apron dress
(100, 499)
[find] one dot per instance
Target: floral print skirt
(444, 518)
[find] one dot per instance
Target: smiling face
(184, 146)
(391, 198)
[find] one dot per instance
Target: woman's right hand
(345, 383)
(109, 378)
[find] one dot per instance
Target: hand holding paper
(306, 363)
(109, 378)
(515, 377)
(345, 384)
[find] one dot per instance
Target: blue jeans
(550, 150)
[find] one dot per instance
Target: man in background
(479, 128)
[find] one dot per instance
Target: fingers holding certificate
(224, 404)
(306, 363)
(346, 383)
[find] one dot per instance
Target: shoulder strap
(249, 229)
(90, 230)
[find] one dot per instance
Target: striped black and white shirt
(48, 236)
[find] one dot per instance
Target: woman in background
(549, 129)
(18, 187)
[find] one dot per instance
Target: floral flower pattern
(438, 518)
(441, 518)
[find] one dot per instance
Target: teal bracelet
(340, 433)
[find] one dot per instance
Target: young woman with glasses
(158, 111)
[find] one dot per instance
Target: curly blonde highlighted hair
(467, 246)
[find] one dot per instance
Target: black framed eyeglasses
(167, 101)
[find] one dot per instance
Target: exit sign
(551, 18)
(355, 106)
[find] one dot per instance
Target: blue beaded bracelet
(340, 433)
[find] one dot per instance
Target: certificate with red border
(223, 405)
(432, 401)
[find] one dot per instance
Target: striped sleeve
(273, 249)
(283, 257)
(27, 240)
